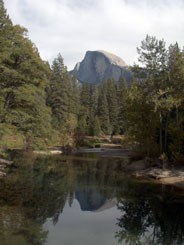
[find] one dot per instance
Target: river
(85, 199)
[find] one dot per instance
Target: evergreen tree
(84, 112)
(93, 120)
(122, 105)
(176, 82)
(59, 92)
(6, 31)
(103, 112)
(96, 127)
(74, 97)
(140, 119)
(160, 94)
(153, 56)
(150, 112)
(111, 95)
(23, 79)
(63, 97)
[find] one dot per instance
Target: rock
(98, 66)
(49, 152)
(137, 165)
(154, 173)
(5, 162)
(2, 174)
(2, 167)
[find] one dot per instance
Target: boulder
(5, 162)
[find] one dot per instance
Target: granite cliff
(98, 66)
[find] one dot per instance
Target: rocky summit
(98, 66)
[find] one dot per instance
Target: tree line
(84, 109)
(43, 105)
(155, 102)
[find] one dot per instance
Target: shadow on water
(43, 193)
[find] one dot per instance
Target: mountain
(98, 66)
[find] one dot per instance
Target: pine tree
(96, 127)
(6, 28)
(176, 82)
(160, 94)
(23, 79)
(111, 95)
(103, 112)
(122, 105)
(140, 119)
(74, 97)
(94, 110)
(59, 92)
(153, 56)
(84, 112)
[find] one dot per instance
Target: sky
(71, 27)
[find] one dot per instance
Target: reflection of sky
(83, 228)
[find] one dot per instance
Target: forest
(42, 105)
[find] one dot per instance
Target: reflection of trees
(35, 192)
(169, 226)
(15, 226)
(134, 222)
(150, 222)
(104, 174)
(39, 188)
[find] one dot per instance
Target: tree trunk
(161, 135)
(165, 136)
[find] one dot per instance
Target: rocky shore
(140, 169)
(174, 177)
(4, 164)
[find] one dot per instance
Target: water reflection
(150, 222)
(85, 200)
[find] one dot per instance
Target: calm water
(85, 200)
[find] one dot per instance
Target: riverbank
(174, 177)
(137, 168)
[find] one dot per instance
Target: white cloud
(72, 27)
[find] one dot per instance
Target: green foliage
(103, 111)
(63, 98)
(96, 126)
(67, 133)
(10, 137)
(84, 111)
(23, 79)
(140, 119)
(40, 106)
(100, 108)
(154, 117)
(112, 101)
(122, 95)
